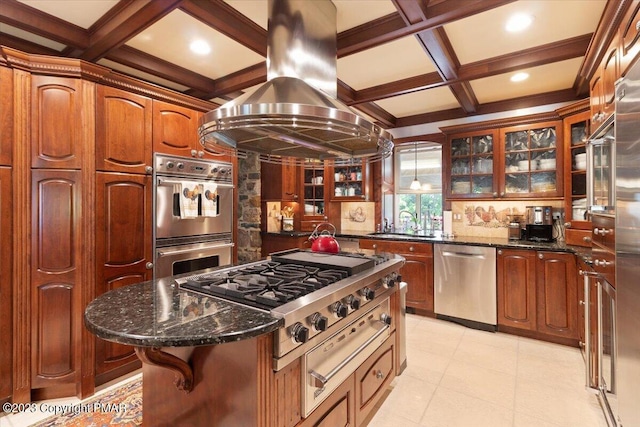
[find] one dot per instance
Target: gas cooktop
(287, 276)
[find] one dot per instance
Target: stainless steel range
(336, 308)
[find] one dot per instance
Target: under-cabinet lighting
(518, 22)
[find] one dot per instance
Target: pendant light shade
(415, 185)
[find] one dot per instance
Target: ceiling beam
(129, 21)
(546, 54)
(230, 22)
(393, 26)
(142, 61)
(565, 95)
(30, 19)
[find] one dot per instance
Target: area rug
(121, 406)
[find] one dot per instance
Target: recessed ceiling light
(200, 47)
(518, 22)
(518, 77)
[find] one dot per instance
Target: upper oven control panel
(193, 168)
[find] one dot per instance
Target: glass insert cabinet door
(531, 161)
(313, 177)
(471, 164)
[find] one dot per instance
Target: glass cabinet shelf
(472, 164)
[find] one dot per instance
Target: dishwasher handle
(462, 255)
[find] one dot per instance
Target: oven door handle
(206, 248)
(162, 181)
(319, 380)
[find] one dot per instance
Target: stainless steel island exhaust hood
(296, 113)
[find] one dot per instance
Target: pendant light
(415, 185)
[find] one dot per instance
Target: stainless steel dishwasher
(465, 285)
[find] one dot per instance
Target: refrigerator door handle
(587, 331)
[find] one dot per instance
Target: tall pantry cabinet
(76, 164)
(6, 234)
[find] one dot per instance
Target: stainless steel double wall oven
(203, 238)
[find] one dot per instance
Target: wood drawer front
(373, 377)
(578, 237)
(604, 263)
(604, 232)
(397, 247)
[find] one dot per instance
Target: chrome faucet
(414, 219)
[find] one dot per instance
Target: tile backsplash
(490, 218)
(357, 217)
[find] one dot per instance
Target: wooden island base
(234, 385)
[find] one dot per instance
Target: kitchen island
(210, 361)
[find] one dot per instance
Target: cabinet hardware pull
(586, 239)
(499, 251)
(502, 194)
(148, 169)
(540, 256)
(411, 249)
(495, 194)
(149, 266)
(374, 246)
(581, 302)
(379, 374)
(567, 225)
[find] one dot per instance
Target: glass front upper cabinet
(532, 161)
(471, 162)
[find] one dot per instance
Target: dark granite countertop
(499, 242)
(157, 313)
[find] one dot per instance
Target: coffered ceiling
(400, 62)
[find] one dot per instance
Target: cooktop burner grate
(264, 285)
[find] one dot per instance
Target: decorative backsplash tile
(357, 216)
(491, 218)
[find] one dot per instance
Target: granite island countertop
(157, 313)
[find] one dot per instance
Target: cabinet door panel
(56, 120)
(629, 35)
(516, 288)
(123, 131)
(123, 246)
(6, 116)
(557, 294)
(6, 270)
(418, 273)
(175, 129)
(55, 276)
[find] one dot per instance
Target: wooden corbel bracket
(155, 356)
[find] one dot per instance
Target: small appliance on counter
(516, 227)
(539, 226)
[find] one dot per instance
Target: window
(427, 168)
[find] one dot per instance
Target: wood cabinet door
(175, 130)
(471, 165)
(123, 131)
(418, 273)
(279, 181)
(6, 116)
(557, 294)
(123, 247)
(56, 122)
(417, 270)
(629, 36)
(596, 97)
(56, 248)
(516, 274)
(6, 284)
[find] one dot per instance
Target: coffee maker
(539, 226)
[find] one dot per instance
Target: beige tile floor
(460, 377)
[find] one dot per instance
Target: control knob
(391, 279)
(180, 165)
(214, 170)
(319, 322)
(340, 309)
(385, 318)
(353, 302)
(170, 165)
(300, 333)
(368, 294)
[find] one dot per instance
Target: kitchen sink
(389, 235)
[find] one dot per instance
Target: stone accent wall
(249, 240)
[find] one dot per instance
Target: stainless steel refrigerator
(627, 262)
